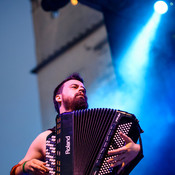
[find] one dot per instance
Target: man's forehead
(71, 82)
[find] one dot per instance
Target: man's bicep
(37, 148)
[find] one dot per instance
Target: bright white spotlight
(161, 7)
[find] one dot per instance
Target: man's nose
(82, 90)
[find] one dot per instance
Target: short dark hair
(58, 89)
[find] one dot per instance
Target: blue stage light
(161, 7)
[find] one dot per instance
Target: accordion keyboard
(116, 143)
(51, 154)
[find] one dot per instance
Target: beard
(76, 103)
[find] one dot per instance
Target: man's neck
(63, 110)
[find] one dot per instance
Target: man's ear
(58, 98)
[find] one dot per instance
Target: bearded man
(68, 96)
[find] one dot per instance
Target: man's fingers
(126, 138)
(43, 166)
(116, 159)
(116, 163)
(121, 168)
(118, 151)
(123, 149)
(39, 167)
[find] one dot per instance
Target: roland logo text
(67, 145)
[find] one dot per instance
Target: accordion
(82, 139)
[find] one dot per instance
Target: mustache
(81, 93)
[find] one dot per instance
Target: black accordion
(82, 139)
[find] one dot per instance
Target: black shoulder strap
(53, 129)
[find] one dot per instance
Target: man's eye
(75, 87)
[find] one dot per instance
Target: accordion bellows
(82, 139)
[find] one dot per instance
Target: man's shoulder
(41, 138)
(43, 135)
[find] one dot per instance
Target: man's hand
(122, 156)
(36, 167)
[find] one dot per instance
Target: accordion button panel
(116, 143)
(51, 154)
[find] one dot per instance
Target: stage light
(74, 2)
(161, 7)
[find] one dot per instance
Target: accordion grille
(91, 127)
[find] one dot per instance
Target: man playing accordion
(68, 96)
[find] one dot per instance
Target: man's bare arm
(34, 157)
